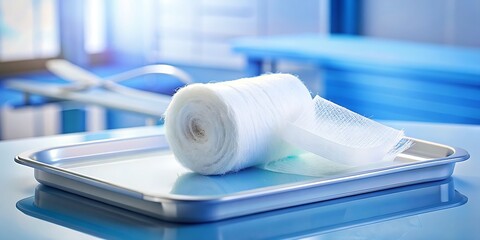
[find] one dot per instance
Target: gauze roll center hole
(197, 131)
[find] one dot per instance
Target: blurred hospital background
(411, 60)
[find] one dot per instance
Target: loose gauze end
(216, 128)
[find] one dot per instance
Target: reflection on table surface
(399, 204)
(194, 184)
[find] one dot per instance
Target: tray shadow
(106, 221)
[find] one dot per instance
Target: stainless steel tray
(106, 221)
(141, 174)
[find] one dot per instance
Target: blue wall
(452, 22)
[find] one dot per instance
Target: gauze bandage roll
(216, 128)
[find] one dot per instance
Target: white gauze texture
(343, 136)
(223, 127)
(216, 128)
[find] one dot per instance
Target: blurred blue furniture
(108, 93)
(379, 78)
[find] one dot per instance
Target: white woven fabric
(340, 135)
(217, 128)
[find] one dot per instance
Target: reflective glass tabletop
(447, 209)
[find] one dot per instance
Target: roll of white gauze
(220, 127)
(217, 128)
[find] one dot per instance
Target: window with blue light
(29, 29)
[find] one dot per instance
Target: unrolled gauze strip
(217, 128)
(340, 135)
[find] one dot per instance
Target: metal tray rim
(26, 158)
